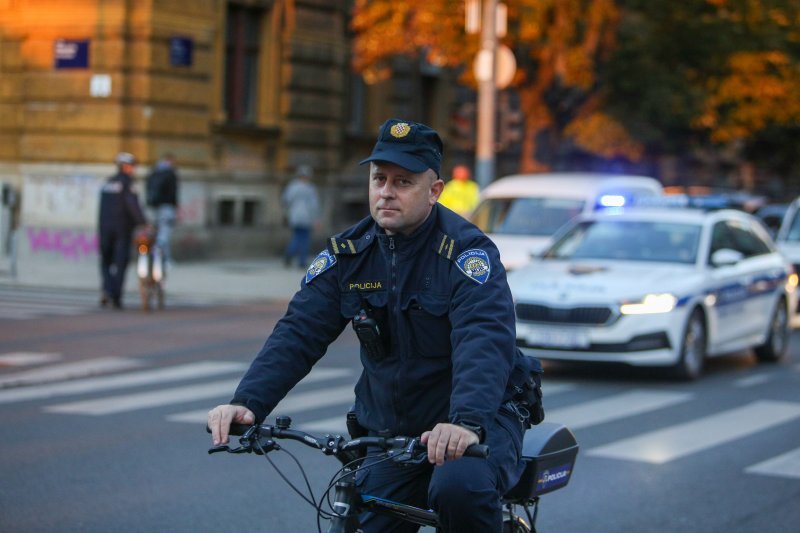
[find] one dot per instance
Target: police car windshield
(525, 216)
(629, 240)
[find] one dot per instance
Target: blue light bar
(612, 200)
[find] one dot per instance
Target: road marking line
(615, 407)
(28, 358)
(556, 388)
(146, 400)
(77, 369)
(190, 393)
(752, 381)
(133, 379)
(680, 440)
(785, 465)
(335, 424)
(293, 403)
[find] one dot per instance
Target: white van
(520, 213)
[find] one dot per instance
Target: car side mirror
(726, 257)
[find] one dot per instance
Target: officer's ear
(436, 188)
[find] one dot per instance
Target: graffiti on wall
(73, 244)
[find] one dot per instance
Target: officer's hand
(447, 441)
(221, 417)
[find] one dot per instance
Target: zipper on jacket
(395, 303)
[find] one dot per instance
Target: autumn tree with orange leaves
(618, 78)
(559, 46)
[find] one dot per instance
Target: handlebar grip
(236, 430)
(481, 451)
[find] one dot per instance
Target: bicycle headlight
(649, 304)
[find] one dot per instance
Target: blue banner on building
(71, 53)
(180, 51)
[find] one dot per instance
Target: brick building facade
(241, 91)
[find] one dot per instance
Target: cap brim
(402, 159)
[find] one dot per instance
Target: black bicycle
(549, 451)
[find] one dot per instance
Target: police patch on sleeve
(475, 264)
(319, 265)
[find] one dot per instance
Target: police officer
(430, 287)
(119, 214)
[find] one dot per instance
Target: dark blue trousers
(465, 492)
(114, 255)
(298, 245)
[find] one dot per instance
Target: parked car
(772, 216)
(788, 238)
(656, 287)
(521, 213)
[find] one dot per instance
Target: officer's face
(400, 200)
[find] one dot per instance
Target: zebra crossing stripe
(28, 358)
(674, 442)
(133, 379)
(293, 403)
(614, 408)
(77, 369)
(146, 400)
(752, 381)
(785, 465)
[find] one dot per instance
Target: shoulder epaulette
(344, 246)
(445, 246)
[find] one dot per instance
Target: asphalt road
(102, 417)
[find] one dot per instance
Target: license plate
(558, 337)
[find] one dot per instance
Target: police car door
(727, 288)
(762, 273)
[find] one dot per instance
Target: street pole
(484, 160)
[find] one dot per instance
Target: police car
(521, 213)
(656, 287)
(788, 238)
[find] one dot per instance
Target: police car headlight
(791, 282)
(650, 304)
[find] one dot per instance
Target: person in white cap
(119, 214)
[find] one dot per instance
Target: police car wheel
(693, 348)
(777, 336)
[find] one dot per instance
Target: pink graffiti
(70, 244)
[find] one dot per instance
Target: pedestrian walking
(119, 214)
(460, 194)
(301, 205)
(162, 197)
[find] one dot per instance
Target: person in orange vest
(460, 194)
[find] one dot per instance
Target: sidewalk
(198, 281)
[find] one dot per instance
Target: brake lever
(215, 449)
(409, 455)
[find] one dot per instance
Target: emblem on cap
(320, 264)
(475, 264)
(400, 130)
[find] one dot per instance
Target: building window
(226, 212)
(250, 210)
(242, 43)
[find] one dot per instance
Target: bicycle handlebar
(335, 444)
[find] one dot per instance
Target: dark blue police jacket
(119, 210)
(445, 314)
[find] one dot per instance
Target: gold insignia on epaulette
(400, 130)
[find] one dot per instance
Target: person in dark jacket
(446, 366)
(119, 214)
(162, 197)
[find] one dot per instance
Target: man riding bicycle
(428, 297)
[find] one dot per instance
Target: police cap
(125, 158)
(411, 145)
